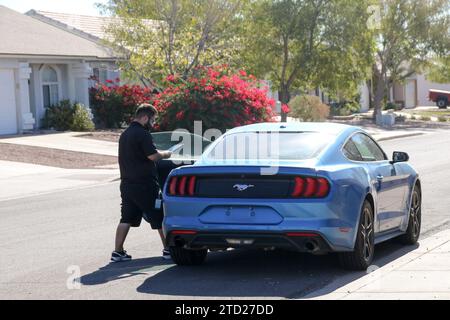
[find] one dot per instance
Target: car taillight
(310, 187)
(182, 186)
(302, 234)
(191, 187)
(298, 187)
(183, 232)
(173, 186)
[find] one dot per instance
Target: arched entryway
(51, 86)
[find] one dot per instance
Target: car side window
(368, 149)
(351, 152)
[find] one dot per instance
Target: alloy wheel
(367, 234)
(415, 213)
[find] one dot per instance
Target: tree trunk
(378, 99)
(285, 97)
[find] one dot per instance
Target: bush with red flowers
(114, 105)
(220, 99)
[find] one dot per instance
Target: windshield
(270, 146)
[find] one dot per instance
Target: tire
(186, 257)
(362, 256)
(415, 219)
(442, 103)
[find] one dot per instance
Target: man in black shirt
(139, 185)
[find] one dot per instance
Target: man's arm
(150, 150)
(160, 155)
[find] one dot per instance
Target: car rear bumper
(338, 233)
(311, 242)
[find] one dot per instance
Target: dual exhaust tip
(311, 246)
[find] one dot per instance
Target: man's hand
(160, 155)
(166, 154)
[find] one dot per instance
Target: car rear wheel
(442, 103)
(361, 257)
(186, 257)
(415, 219)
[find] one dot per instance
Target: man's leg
(163, 239)
(121, 235)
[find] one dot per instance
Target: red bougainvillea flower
(113, 104)
(285, 108)
(179, 115)
(216, 96)
(171, 78)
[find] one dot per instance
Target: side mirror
(399, 157)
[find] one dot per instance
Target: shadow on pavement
(123, 270)
(258, 274)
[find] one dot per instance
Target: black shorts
(137, 200)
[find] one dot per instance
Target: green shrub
(392, 106)
(58, 117)
(345, 108)
(81, 119)
(425, 118)
(309, 108)
(442, 119)
(67, 116)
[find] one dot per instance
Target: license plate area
(253, 215)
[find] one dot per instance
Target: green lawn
(429, 113)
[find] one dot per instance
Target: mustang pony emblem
(242, 187)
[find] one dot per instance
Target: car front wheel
(361, 257)
(415, 219)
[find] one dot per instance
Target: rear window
(270, 146)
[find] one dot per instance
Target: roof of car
(324, 127)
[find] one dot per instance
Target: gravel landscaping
(103, 135)
(54, 157)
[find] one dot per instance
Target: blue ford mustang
(309, 187)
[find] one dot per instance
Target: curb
(406, 135)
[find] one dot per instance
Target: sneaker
(166, 254)
(120, 256)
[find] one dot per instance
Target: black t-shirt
(135, 145)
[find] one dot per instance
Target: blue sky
(86, 7)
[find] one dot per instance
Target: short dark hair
(145, 110)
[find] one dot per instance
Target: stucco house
(414, 92)
(40, 65)
(89, 27)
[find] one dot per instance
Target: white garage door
(410, 94)
(8, 116)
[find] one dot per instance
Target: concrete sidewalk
(66, 141)
(18, 180)
(422, 273)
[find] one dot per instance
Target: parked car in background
(440, 97)
(334, 190)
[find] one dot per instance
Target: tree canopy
(409, 34)
(164, 37)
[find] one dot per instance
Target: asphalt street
(52, 239)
